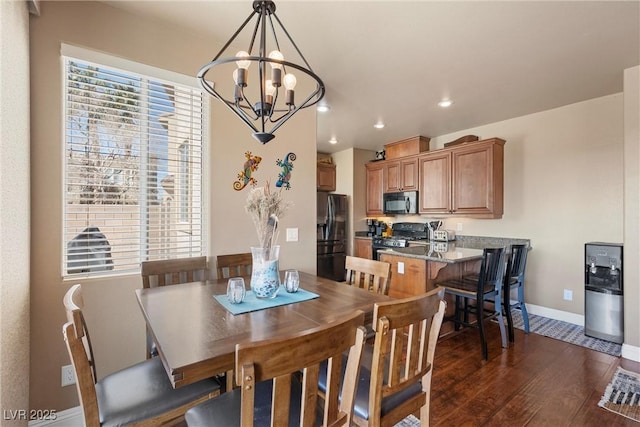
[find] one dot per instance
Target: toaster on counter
(444, 235)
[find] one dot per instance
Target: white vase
(265, 274)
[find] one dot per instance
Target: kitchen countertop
(436, 252)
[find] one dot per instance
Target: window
(133, 165)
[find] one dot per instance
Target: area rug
(410, 421)
(565, 331)
(622, 395)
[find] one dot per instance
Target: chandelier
(264, 95)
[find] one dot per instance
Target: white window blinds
(133, 169)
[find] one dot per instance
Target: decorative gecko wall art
(284, 177)
(244, 176)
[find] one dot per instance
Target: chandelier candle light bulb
(264, 109)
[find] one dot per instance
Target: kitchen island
(416, 269)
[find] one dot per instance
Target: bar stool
(486, 286)
(514, 279)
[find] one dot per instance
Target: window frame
(135, 69)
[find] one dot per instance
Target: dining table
(196, 335)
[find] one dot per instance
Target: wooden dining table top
(196, 336)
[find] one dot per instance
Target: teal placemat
(251, 303)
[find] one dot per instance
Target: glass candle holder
(236, 290)
(291, 281)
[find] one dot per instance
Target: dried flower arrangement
(266, 207)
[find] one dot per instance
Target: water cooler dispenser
(603, 302)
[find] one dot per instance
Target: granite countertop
(436, 252)
(464, 248)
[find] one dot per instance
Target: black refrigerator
(332, 235)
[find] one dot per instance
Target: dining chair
(395, 377)
(138, 395)
(369, 274)
(514, 280)
(234, 265)
(171, 272)
(278, 380)
(487, 286)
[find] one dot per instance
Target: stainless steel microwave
(401, 203)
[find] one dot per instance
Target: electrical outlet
(568, 295)
(459, 226)
(401, 268)
(68, 376)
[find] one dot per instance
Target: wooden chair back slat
(76, 336)
(368, 274)
(279, 359)
(233, 265)
(406, 335)
(173, 271)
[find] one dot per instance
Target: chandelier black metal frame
(265, 109)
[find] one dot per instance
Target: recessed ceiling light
(333, 141)
(378, 125)
(323, 108)
(445, 103)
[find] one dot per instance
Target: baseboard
(631, 352)
(68, 417)
(552, 313)
(628, 351)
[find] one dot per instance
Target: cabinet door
(435, 177)
(478, 180)
(393, 177)
(363, 248)
(401, 175)
(375, 185)
(326, 177)
(409, 174)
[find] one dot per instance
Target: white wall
(632, 213)
(14, 209)
(117, 326)
(563, 187)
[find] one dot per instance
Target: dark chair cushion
(144, 391)
(361, 406)
(224, 410)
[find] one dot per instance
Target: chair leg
(523, 308)
(483, 337)
(466, 310)
(456, 315)
(507, 310)
(503, 332)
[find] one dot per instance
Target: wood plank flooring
(537, 381)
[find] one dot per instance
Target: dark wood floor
(538, 381)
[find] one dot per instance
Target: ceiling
(395, 60)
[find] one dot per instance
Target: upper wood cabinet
(375, 188)
(326, 177)
(401, 175)
(435, 183)
(465, 180)
(478, 179)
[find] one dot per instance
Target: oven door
(376, 252)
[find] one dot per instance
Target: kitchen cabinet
(375, 187)
(363, 248)
(434, 191)
(466, 180)
(478, 179)
(326, 177)
(401, 175)
(412, 281)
